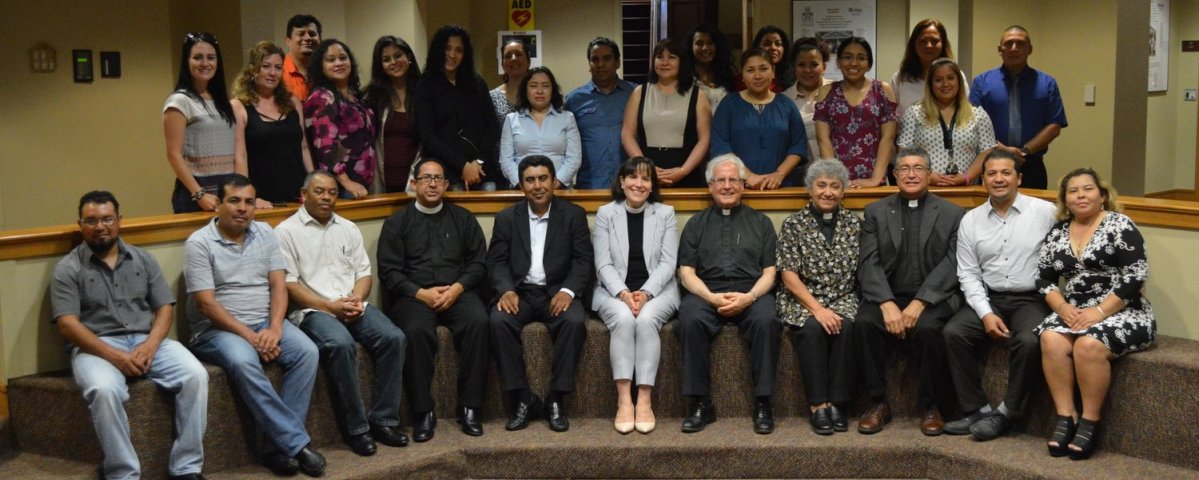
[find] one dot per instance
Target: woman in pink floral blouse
(341, 133)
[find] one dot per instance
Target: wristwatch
(198, 195)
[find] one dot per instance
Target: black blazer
(881, 236)
(568, 255)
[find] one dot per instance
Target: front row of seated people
(914, 268)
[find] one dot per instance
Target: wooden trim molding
(57, 240)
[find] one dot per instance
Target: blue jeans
(386, 344)
(279, 415)
(104, 387)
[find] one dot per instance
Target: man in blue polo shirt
(236, 283)
(1024, 105)
(598, 107)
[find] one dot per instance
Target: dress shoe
(993, 426)
(390, 436)
(702, 413)
(962, 425)
(623, 427)
(362, 444)
(555, 413)
(281, 464)
(524, 413)
(840, 423)
(646, 427)
(468, 417)
(822, 421)
(763, 418)
(312, 463)
(874, 419)
(931, 423)
(186, 476)
(422, 428)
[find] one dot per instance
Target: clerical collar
(729, 211)
(819, 215)
(428, 210)
(912, 202)
(635, 210)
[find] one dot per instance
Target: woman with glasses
(198, 123)
(394, 77)
(270, 123)
(636, 240)
(761, 127)
(668, 120)
(855, 117)
(811, 55)
(956, 134)
(340, 127)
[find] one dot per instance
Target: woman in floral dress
(855, 119)
(339, 125)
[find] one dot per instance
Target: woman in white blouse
(956, 134)
(540, 126)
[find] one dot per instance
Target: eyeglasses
(430, 179)
(726, 181)
(95, 222)
(906, 169)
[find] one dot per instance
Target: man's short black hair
(301, 21)
(235, 180)
(99, 197)
(420, 163)
(606, 42)
(999, 153)
(534, 161)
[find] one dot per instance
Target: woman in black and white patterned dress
(1099, 314)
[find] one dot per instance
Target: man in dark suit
(908, 273)
(539, 260)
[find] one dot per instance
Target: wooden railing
(58, 240)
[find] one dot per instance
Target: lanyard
(947, 137)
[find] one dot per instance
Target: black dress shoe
(186, 476)
(840, 423)
(390, 436)
(468, 417)
(524, 413)
(822, 421)
(422, 428)
(362, 444)
(555, 413)
(703, 412)
(281, 464)
(763, 418)
(312, 463)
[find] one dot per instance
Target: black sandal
(1063, 433)
(1086, 438)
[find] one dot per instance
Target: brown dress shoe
(932, 424)
(873, 420)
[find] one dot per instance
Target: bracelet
(1101, 312)
(198, 195)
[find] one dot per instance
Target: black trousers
(699, 323)
(568, 330)
(967, 342)
(467, 321)
(927, 342)
(825, 361)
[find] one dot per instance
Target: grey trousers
(635, 346)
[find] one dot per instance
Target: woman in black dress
(270, 120)
(1099, 314)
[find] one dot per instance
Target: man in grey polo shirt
(114, 307)
(235, 278)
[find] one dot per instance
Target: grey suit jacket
(660, 246)
(882, 232)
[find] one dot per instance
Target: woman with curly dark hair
(340, 129)
(708, 51)
(774, 41)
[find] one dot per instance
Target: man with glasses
(727, 265)
(235, 276)
(303, 35)
(908, 274)
(598, 106)
(114, 307)
(328, 280)
(432, 261)
(540, 259)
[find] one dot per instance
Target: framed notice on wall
(834, 21)
(1159, 45)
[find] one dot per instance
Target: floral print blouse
(857, 131)
(829, 270)
(341, 134)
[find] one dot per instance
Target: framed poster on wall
(1159, 45)
(834, 21)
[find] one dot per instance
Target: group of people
(915, 268)
(304, 109)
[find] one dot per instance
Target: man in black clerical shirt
(540, 259)
(908, 273)
(431, 259)
(726, 263)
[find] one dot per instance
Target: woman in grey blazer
(636, 240)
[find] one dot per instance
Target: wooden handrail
(57, 240)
